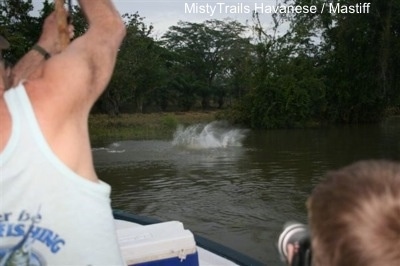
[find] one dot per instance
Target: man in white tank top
(53, 208)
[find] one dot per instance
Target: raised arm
(46, 47)
(105, 34)
(82, 71)
(106, 31)
(69, 83)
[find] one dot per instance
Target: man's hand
(29, 65)
(50, 40)
(292, 250)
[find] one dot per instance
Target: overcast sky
(165, 13)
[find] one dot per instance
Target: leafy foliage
(335, 67)
(326, 68)
(139, 71)
(18, 27)
(205, 52)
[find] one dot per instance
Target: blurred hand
(292, 249)
(49, 38)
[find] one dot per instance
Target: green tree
(336, 67)
(203, 51)
(139, 70)
(287, 89)
(363, 62)
(20, 28)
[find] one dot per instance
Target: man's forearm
(47, 45)
(26, 66)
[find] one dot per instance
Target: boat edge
(210, 245)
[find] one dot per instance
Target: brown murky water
(232, 189)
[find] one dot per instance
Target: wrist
(38, 48)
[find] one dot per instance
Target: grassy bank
(142, 126)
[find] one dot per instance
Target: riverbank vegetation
(102, 127)
(305, 68)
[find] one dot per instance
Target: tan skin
(66, 86)
(32, 60)
(291, 250)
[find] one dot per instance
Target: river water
(234, 186)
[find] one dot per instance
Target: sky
(165, 13)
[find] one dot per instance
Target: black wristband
(41, 50)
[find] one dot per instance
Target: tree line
(325, 68)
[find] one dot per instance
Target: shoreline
(103, 128)
(161, 126)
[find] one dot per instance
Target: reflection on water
(238, 195)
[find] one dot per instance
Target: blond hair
(354, 216)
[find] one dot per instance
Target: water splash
(216, 134)
(112, 148)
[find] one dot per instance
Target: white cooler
(162, 244)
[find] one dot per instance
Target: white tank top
(48, 214)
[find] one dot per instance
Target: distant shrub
(169, 121)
